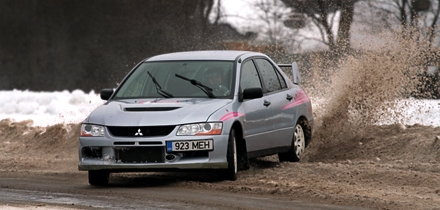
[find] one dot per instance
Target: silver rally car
(197, 110)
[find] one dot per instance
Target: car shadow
(160, 179)
(264, 162)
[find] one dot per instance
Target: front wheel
(231, 155)
(297, 148)
(99, 178)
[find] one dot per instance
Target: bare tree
(91, 44)
(271, 13)
(419, 16)
(322, 13)
(203, 11)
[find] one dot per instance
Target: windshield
(195, 79)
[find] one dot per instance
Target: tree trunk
(325, 24)
(343, 39)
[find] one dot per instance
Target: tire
(297, 148)
(99, 178)
(231, 155)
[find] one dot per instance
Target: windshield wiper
(159, 88)
(198, 84)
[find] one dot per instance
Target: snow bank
(48, 108)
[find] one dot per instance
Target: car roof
(226, 55)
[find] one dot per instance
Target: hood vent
(150, 109)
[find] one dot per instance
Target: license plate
(181, 146)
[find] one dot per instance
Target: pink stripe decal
(300, 97)
(230, 115)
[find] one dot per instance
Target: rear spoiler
(295, 72)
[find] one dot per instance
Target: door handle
(266, 103)
(289, 97)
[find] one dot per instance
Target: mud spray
(363, 88)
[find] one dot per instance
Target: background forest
(48, 45)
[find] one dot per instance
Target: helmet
(213, 71)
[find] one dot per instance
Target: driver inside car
(214, 78)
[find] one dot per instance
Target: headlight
(200, 129)
(92, 130)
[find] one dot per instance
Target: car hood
(155, 112)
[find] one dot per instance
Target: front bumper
(148, 154)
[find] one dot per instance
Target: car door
(257, 127)
(278, 97)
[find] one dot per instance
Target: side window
(249, 77)
(270, 78)
(281, 78)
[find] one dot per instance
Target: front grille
(150, 143)
(194, 154)
(145, 131)
(129, 143)
(124, 143)
(139, 155)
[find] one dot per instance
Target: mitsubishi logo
(138, 133)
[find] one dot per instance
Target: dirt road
(140, 191)
(393, 167)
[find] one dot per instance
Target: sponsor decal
(142, 102)
(230, 115)
(300, 98)
(159, 101)
(168, 101)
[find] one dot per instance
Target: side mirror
(251, 93)
(106, 93)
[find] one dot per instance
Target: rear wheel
(297, 148)
(99, 178)
(231, 172)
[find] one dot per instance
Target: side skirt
(267, 152)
